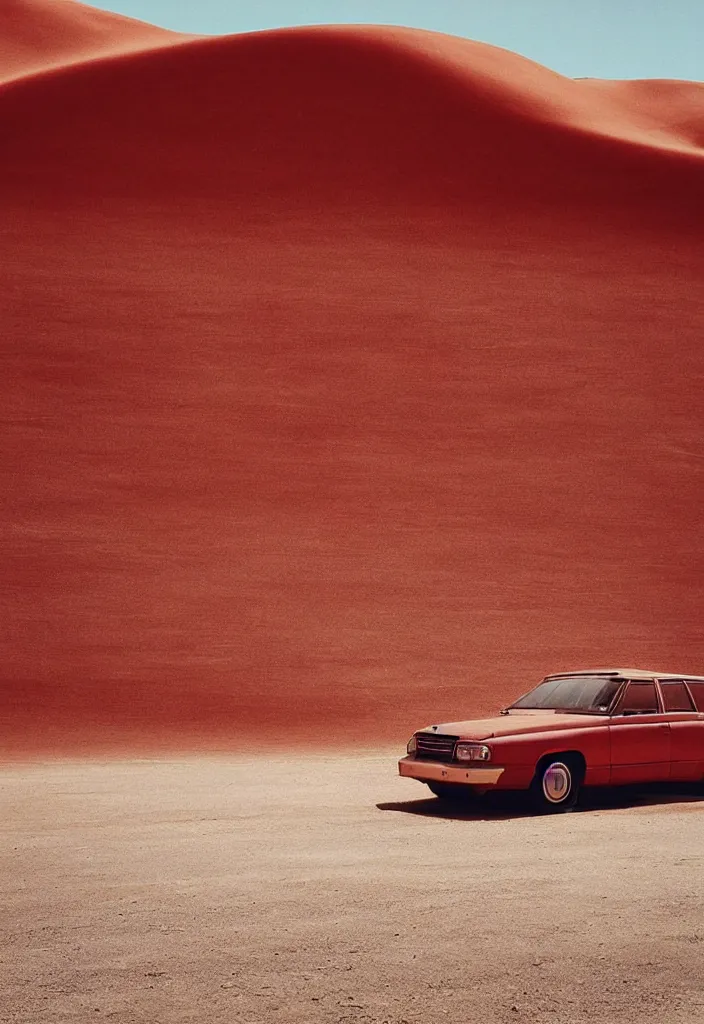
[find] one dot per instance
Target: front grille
(431, 747)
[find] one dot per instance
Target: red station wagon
(598, 727)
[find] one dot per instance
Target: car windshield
(590, 694)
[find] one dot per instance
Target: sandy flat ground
(328, 889)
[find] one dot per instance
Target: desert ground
(326, 889)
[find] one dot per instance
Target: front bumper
(433, 771)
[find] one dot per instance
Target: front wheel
(555, 786)
(450, 791)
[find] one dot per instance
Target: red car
(601, 727)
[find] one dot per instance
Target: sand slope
(352, 381)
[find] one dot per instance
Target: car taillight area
(431, 747)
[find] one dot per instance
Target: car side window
(675, 696)
(696, 688)
(639, 699)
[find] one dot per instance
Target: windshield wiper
(582, 711)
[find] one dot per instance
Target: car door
(686, 730)
(640, 736)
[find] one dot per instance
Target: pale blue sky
(596, 38)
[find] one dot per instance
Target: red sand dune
(352, 381)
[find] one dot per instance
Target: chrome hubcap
(557, 783)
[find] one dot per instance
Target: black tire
(450, 791)
(556, 784)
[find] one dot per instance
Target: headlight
(472, 752)
(411, 746)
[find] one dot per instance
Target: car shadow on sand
(502, 806)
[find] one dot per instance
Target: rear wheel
(556, 784)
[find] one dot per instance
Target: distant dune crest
(36, 35)
(39, 34)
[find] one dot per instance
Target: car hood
(514, 725)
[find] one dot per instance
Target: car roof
(626, 673)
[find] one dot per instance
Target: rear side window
(696, 688)
(639, 699)
(675, 696)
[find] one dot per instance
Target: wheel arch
(574, 757)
